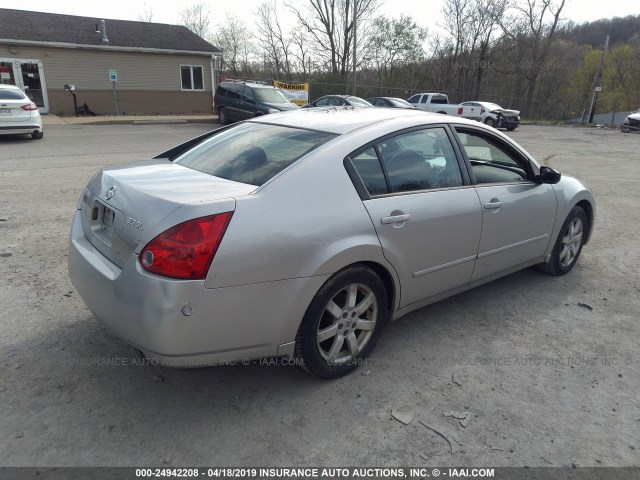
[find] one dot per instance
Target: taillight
(460, 109)
(186, 250)
(29, 107)
(481, 111)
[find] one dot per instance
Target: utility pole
(355, 10)
(597, 88)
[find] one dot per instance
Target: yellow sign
(297, 92)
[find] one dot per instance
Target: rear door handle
(493, 205)
(395, 219)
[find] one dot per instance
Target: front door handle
(395, 219)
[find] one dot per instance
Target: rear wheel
(222, 117)
(37, 135)
(568, 244)
(343, 323)
(490, 121)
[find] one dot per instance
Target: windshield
(252, 153)
(271, 95)
(359, 102)
(492, 106)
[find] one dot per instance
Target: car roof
(341, 120)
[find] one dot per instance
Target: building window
(191, 77)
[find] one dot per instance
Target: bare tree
(275, 44)
(147, 14)
(532, 27)
(301, 55)
(329, 24)
(196, 19)
(235, 40)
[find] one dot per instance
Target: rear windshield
(6, 94)
(271, 95)
(359, 101)
(252, 153)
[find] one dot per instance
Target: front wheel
(37, 135)
(343, 323)
(568, 244)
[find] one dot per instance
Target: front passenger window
(491, 161)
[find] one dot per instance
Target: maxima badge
(110, 193)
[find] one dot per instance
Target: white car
(495, 116)
(631, 123)
(18, 114)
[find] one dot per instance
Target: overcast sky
(425, 12)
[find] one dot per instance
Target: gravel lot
(545, 380)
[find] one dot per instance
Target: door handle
(395, 219)
(493, 205)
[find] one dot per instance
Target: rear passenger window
(368, 167)
(421, 160)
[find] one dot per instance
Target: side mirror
(549, 175)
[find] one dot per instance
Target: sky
(425, 12)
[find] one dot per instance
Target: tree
(234, 38)
(330, 26)
(394, 46)
(532, 27)
(196, 19)
(147, 14)
(275, 44)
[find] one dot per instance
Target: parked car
(302, 234)
(495, 116)
(338, 101)
(18, 114)
(631, 123)
(439, 103)
(390, 102)
(234, 101)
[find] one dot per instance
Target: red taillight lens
(460, 109)
(29, 107)
(186, 250)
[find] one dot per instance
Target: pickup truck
(439, 103)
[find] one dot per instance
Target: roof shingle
(53, 27)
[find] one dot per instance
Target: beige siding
(89, 69)
(147, 82)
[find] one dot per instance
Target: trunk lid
(10, 111)
(123, 204)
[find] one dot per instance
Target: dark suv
(241, 100)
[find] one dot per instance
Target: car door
(518, 214)
(425, 212)
(234, 95)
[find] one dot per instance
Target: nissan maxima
(301, 234)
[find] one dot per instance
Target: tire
(223, 118)
(336, 310)
(490, 122)
(37, 135)
(569, 243)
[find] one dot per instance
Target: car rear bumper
(19, 129)
(181, 323)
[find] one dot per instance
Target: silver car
(301, 234)
(18, 114)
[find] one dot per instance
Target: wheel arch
(588, 209)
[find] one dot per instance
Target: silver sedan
(302, 234)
